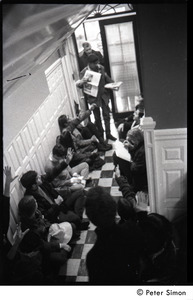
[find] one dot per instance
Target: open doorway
(114, 35)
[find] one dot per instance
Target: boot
(111, 137)
(104, 147)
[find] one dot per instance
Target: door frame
(121, 19)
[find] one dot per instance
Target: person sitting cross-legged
(51, 254)
(85, 137)
(63, 177)
(80, 155)
(55, 208)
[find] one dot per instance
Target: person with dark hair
(83, 60)
(102, 98)
(59, 172)
(134, 171)
(7, 251)
(12, 271)
(128, 124)
(53, 254)
(55, 208)
(78, 141)
(66, 124)
(80, 155)
(85, 138)
(158, 262)
(115, 256)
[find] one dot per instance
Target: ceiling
(32, 33)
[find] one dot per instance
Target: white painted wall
(30, 147)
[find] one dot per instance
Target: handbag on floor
(60, 232)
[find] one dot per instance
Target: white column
(148, 125)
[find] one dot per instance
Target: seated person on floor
(55, 208)
(80, 155)
(134, 171)
(88, 137)
(158, 265)
(62, 176)
(9, 253)
(90, 129)
(52, 254)
(115, 256)
(124, 127)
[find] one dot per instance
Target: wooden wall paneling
(30, 149)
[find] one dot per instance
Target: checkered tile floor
(74, 271)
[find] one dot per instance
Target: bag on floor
(62, 232)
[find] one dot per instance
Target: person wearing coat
(83, 59)
(115, 256)
(102, 98)
(134, 171)
(54, 207)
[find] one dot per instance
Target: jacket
(36, 238)
(50, 211)
(103, 93)
(84, 59)
(114, 259)
(78, 140)
(138, 173)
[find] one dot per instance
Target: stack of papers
(113, 85)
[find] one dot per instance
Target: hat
(28, 179)
(92, 58)
(61, 232)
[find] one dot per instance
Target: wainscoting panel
(171, 168)
(166, 160)
(30, 149)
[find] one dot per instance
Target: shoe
(94, 156)
(104, 147)
(110, 137)
(88, 182)
(84, 225)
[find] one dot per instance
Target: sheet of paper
(113, 85)
(121, 151)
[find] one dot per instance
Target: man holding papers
(93, 79)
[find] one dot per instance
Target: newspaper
(91, 86)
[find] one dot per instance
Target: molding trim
(157, 143)
(148, 125)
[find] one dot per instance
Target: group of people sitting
(51, 215)
(56, 197)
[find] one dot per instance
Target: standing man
(102, 98)
(88, 51)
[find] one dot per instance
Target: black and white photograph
(95, 180)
